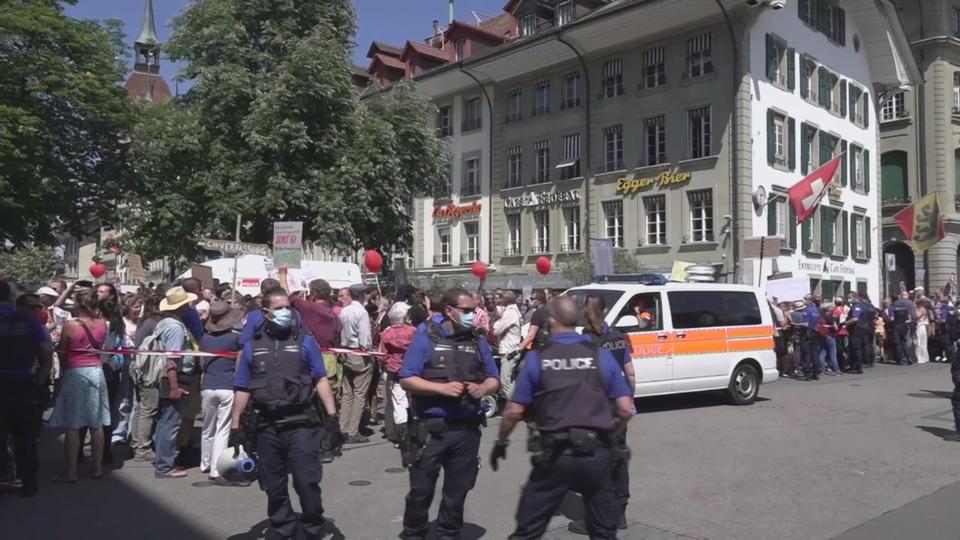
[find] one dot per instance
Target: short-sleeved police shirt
(309, 352)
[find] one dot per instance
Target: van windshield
(610, 297)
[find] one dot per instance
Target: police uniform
(812, 342)
(859, 339)
(901, 311)
(569, 387)
(444, 431)
(948, 330)
(21, 337)
(280, 376)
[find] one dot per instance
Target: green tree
(579, 269)
(30, 265)
(63, 119)
(277, 133)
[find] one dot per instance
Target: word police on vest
(561, 364)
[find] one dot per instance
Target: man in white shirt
(507, 330)
(358, 370)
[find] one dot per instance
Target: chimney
(450, 14)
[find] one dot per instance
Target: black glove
(499, 452)
(237, 439)
(333, 428)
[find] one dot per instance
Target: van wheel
(744, 385)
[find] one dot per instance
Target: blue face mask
(283, 317)
(466, 320)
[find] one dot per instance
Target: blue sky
(393, 21)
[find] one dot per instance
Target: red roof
(413, 47)
(137, 87)
(457, 27)
(511, 5)
(381, 47)
(501, 25)
(387, 61)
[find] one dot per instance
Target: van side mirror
(628, 321)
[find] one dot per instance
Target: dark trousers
(621, 482)
(946, 344)
(870, 357)
(18, 419)
(899, 338)
(810, 348)
(456, 452)
(857, 343)
(590, 476)
(843, 350)
(955, 398)
(284, 451)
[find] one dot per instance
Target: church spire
(148, 32)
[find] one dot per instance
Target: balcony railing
(570, 248)
(539, 250)
(441, 260)
(512, 251)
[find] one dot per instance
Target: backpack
(147, 370)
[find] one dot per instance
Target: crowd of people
(845, 335)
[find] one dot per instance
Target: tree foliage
(579, 269)
(30, 265)
(272, 129)
(63, 119)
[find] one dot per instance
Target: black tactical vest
(571, 392)
(455, 358)
(280, 380)
(17, 343)
(614, 341)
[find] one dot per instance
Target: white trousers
(399, 398)
(217, 408)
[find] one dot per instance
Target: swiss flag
(805, 195)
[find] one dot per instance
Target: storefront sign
(826, 267)
(541, 199)
(628, 186)
(454, 211)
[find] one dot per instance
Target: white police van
(692, 337)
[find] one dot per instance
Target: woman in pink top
(394, 341)
(81, 393)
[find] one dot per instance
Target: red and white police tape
(224, 354)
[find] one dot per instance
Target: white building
(818, 76)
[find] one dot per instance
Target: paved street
(854, 457)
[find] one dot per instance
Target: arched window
(894, 175)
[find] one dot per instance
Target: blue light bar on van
(642, 279)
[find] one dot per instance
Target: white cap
(47, 291)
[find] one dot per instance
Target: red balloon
(480, 270)
(543, 265)
(373, 261)
(115, 250)
(97, 270)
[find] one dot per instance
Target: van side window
(703, 309)
(646, 308)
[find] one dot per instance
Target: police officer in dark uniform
(569, 387)
(277, 374)
(904, 313)
(24, 374)
(859, 335)
(812, 340)
(948, 330)
(447, 370)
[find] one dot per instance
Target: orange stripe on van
(702, 341)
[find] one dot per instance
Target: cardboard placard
(679, 271)
(135, 264)
(287, 243)
(204, 274)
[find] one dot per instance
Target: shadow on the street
(931, 394)
(262, 531)
(681, 402)
(937, 431)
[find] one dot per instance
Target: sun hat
(223, 317)
(175, 298)
(47, 291)
(799, 304)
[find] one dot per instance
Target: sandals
(175, 473)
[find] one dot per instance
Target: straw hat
(223, 317)
(176, 298)
(799, 304)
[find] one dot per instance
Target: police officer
(24, 373)
(858, 334)
(447, 369)
(277, 373)
(569, 387)
(811, 341)
(904, 312)
(948, 330)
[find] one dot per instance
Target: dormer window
(458, 48)
(565, 12)
(528, 25)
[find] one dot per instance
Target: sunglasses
(465, 309)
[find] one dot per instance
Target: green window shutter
(772, 219)
(804, 148)
(792, 144)
(866, 171)
(771, 136)
(791, 69)
(826, 289)
(843, 98)
(852, 100)
(823, 82)
(803, 8)
(841, 23)
(866, 110)
(792, 225)
(862, 287)
(804, 78)
(771, 57)
(826, 230)
(846, 232)
(805, 234)
(826, 148)
(823, 16)
(843, 163)
(868, 235)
